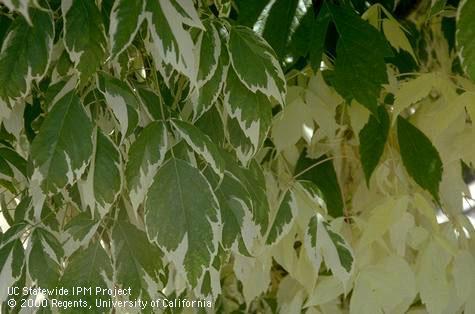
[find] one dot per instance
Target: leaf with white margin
(44, 258)
(322, 241)
(78, 232)
(145, 155)
(188, 12)
(25, 53)
(252, 110)
(170, 42)
(236, 211)
(253, 180)
(20, 6)
(464, 274)
(255, 63)
(412, 91)
(137, 262)
(386, 287)
(122, 101)
(12, 258)
(464, 36)
(84, 35)
(89, 267)
(431, 277)
(239, 141)
(209, 47)
(104, 178)
(126, 17)
(62, 148)
(185, 224)
(283, 219)
(201, 144)
(206, 96)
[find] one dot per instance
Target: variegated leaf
(185, 224)
(255, 63)
(283, 219)
(137, 262)
(201, 144)
(89, 267)
(84, 35)
(44, 258)
(146, 154)
(78, 232)
(126, 17)
(209, 44)
(122, 101)
(61, 150)
(104, 179)
(252, 110)
(171, 43)
(25, 53)
(12, 258)
(322, 242)
(20, 6)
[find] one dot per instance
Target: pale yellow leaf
(412, 91)
(387, 287)
(396, 37)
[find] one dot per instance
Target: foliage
(271, 156)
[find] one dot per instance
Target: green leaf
(122, 101)
(90, 267)
(44, 259)
(322, 241)
(136, 261)
(126, 17)
(281, 16)
(419, 156)
(84, 35)
(104, 179)
(170, 42)
(255, 64)
(145, 155)
(283, 220)
(464, 36)
(373, 138)
(201, 144)
(252, 110)
(322, 173)
(360, 70)
(309, 36)
(25, 54)
(182, 222)
(63, 147)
